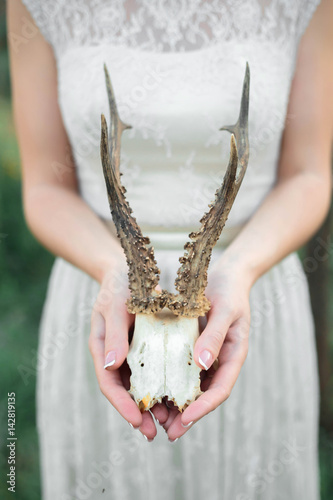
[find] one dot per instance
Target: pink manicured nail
(173, 440)
(205, 359)
(187, 425)
(132, 426)
(110, 359)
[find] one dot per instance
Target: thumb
(117, 324)
(209, 343)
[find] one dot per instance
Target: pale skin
(64, 223)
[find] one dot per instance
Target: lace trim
(305, 16)
(35, 9)
(169, 25)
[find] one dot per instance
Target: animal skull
(166, 325)
(161, 359)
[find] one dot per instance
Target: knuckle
(242, 329)
(222, 393)
(208, 406)
(244, 353)
(226, 307)
(230, 310)
(90, 344)
(226, 392)
(104, 299)
(215, 339)
(102, 391)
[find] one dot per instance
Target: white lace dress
(177, 69)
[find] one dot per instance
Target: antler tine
(192, 274)
(240, 129)
(117, 125)
(143, 273)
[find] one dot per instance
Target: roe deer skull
(166, 325)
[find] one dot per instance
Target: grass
(25, 266)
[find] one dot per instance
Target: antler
(192, 274)
(161, 352)
(143, 272)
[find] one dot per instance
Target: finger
(232, 357)
(206, 376)
(148, 427)
(160, 413)
(116, 337)
(209, 343)
(110, 382)
(173, 413)
(176, 429)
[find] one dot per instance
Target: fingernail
(157, 420)
(150, 440)
(173, 440)
(144, 435)
(205, 359)
(110, 359)
(131, 425)
(187, 425)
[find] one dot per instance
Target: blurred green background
(25, 266)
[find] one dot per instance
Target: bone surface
(161, 360)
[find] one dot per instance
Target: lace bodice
(177, 69)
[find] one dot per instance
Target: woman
(177, 71)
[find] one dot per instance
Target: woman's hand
(108, 344)
(224, 339)
(291, 212)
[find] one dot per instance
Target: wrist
(110, 265)
(239, 267)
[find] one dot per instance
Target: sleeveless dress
(177, 69)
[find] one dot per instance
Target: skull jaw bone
(161, 360)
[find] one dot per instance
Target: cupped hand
(109, 343)
(221, 348)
